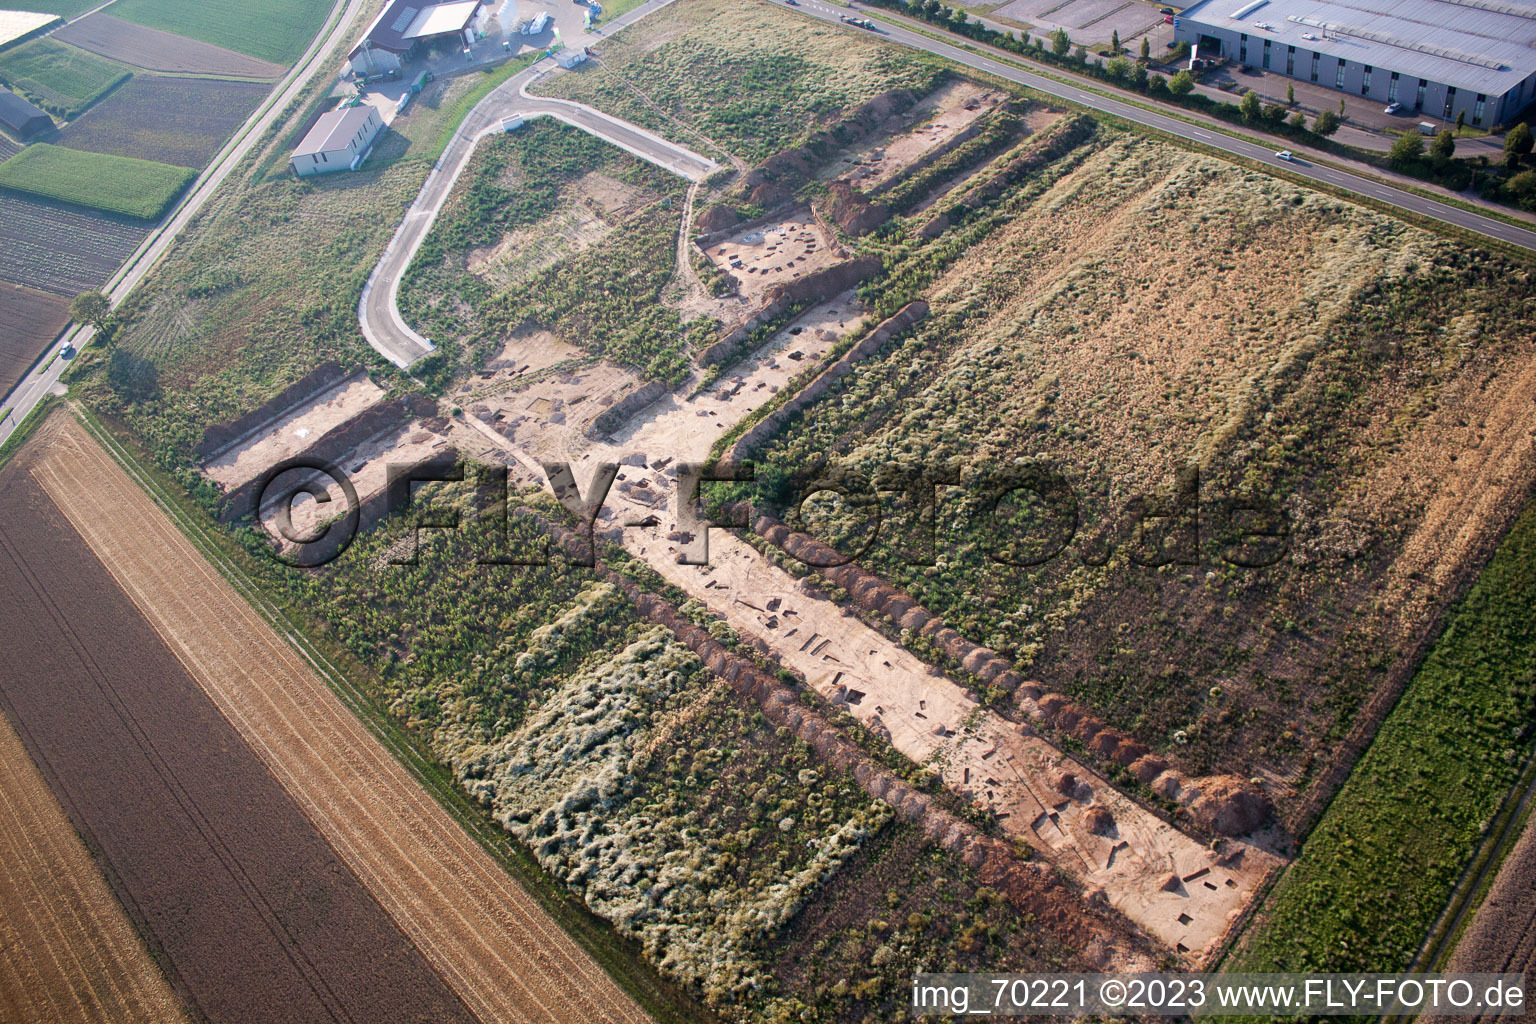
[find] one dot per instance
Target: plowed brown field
(496, 947)
(67, 950)
(252, 916)
(1502, 936)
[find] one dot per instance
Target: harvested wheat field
(250, 914)
(494, 945)
(67, 950)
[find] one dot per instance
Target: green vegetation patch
(272, 30)
(749, 77)
(63, 8)
(119, 184)
(60, 78)
(585, 240)
(1118, 315)
(1384, 859)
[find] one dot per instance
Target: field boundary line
(617, 957)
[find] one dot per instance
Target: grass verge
(118, 184)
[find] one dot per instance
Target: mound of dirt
(852, 211)
(1099, 821)
(716, 218)
(1230, 806)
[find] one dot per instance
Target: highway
(378, 309)
(44, 376)
(1363, 186)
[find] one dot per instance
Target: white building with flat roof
(339, 141)
(1438, 58)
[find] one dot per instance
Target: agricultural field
(183, 122)
(1181, 312)
(16, 24)
(61, 250)
(1502, 934)
(552, 226)
(255, 917)
(29, 319)
(165, 52)
(1382, 862)
(62, 79)
(276, 31)
(747, 78)
(71, 954)
(137, 188)
(63, 8)
(497, 950)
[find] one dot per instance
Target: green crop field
(63, 8)
(274, 30)
(60, 78)
(120, 184)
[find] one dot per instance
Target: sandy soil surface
(925, 715)
(367, 466)
(494, 945)
(764, 256)
(67, 951)
(548, 419)
(332, 407)
(939, 117)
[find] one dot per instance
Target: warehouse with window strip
(1436, 58)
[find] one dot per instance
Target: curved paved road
(1371, 189)
(378, 309)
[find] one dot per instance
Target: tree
(1025, 42)
(1298, 120)
(1290, 94)
(1146, 48)
(1181, 84)
(1139, 76)
(1274, 113)
(1444, 145)
(1518, 141)
(1461, 121)
(1114, 41)
(1408, 148)
(1157, 85)
(1060, 42)
(91, 308)
(1326, 124)
(1522, 185)
(1118, 67)
(1341, 106)
(1250, 106)
(1080, 55)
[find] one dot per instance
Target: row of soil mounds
(1032, 886)
(1225, 805)
(246, 908)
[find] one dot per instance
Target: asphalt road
(44, 377)
(378, 309)
(1371, 189)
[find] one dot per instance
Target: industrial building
(404, 25)
(1439, 58)
(339, 141)
(21, 118)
